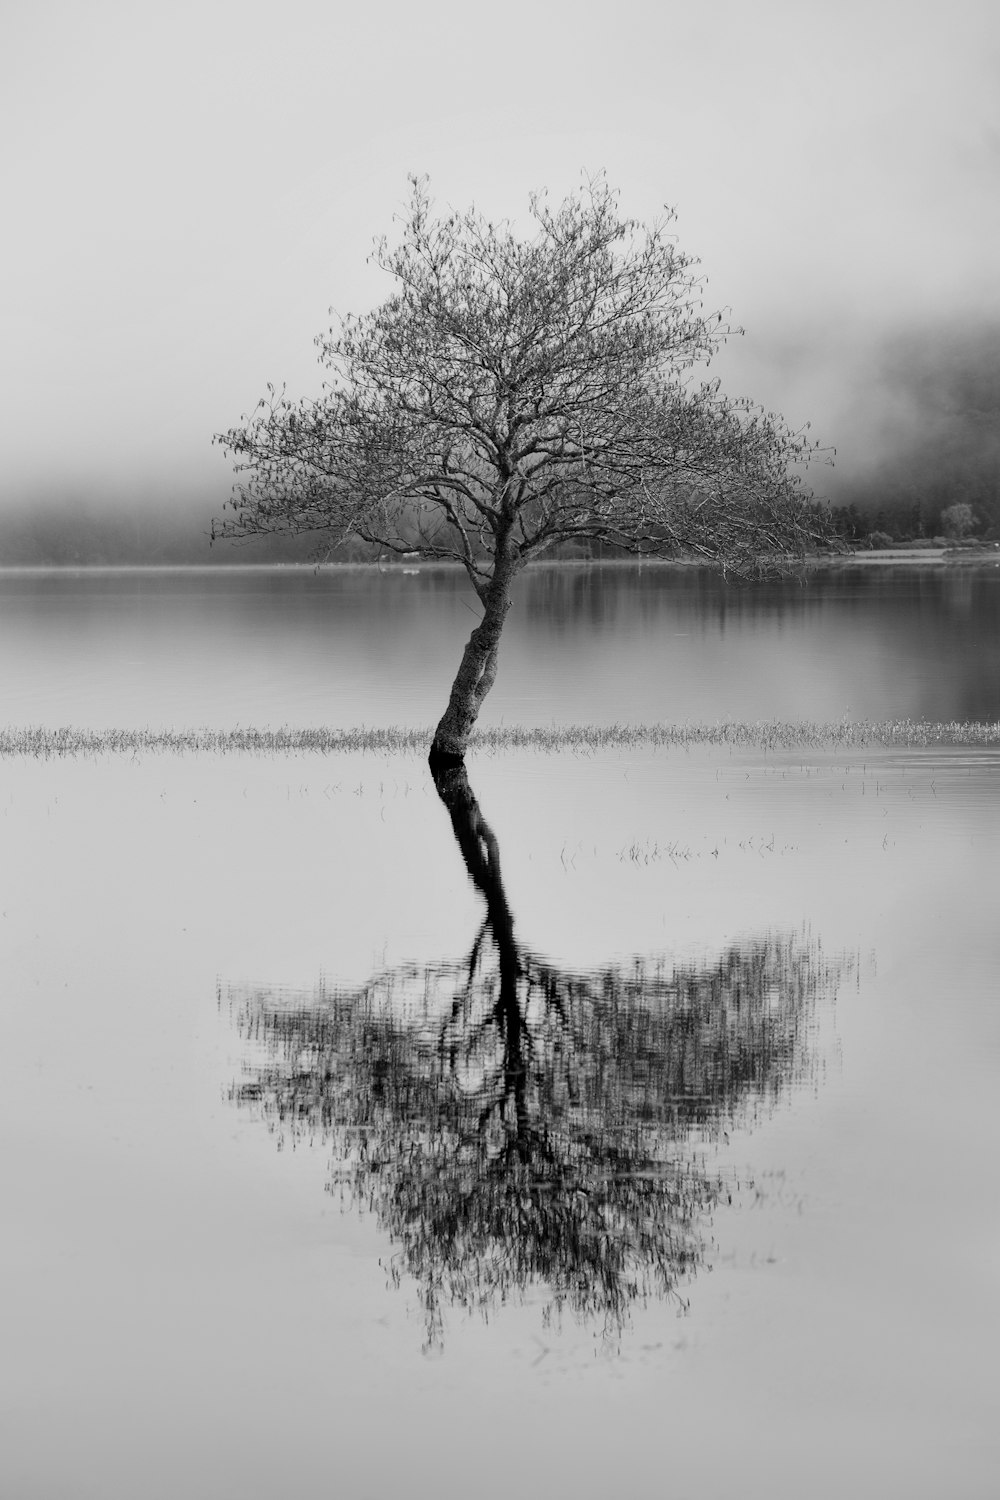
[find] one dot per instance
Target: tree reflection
(514, 1124)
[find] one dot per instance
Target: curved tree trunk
(481, 854)
(477, 670)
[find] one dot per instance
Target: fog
(189, 189)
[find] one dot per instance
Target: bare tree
(517, 393)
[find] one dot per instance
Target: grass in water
(890, 734)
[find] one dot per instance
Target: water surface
(173, 648)
(259, 1233)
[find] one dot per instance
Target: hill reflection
(517, 1125)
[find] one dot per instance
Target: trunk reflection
(513, 1124)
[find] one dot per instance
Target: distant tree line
(89, 533)
(79, 534)
(66, 536)
(939, 477)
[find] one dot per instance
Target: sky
(187, 190)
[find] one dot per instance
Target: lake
(597, 1123)
(176, 647)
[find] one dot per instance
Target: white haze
(188, 188)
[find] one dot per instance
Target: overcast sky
(186, 189)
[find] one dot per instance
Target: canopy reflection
(515, 1125)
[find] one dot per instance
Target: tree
(512, 1123)
(958, 520)
(517, 393)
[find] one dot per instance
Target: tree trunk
(477, 670)
(481, 853)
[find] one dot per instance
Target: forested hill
(937, 442)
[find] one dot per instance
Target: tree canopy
(514, 393)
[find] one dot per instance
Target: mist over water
(907, 418)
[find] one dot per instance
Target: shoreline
(885, 557)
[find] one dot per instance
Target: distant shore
(987, 552)
(883, 557)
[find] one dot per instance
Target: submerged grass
(844, 734)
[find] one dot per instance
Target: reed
(581, 738)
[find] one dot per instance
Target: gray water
(271, 646)
(257, 1235)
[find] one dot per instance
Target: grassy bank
(901, 734)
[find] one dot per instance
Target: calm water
(180, 648)
(640, 1105)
